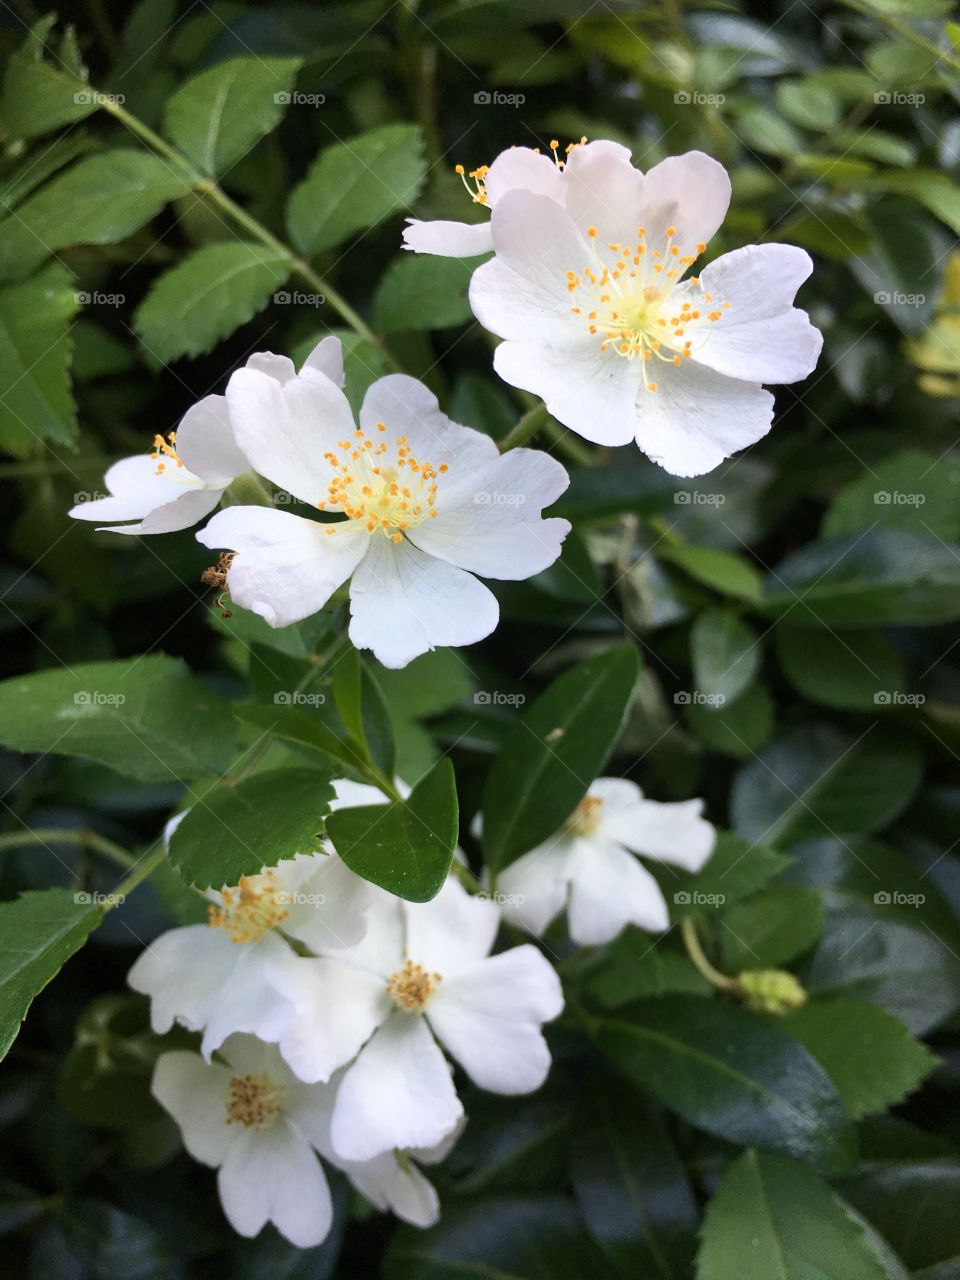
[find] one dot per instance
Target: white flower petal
(247, 1055)
(689, 192)
(285, 428)
(388, 1185)
(489, 1019)
(380, 950)
(205, 442)
(762, 337)
(448, 239)
(336, 1009)
(605, 191)
(247, 1002)
(286, 568)
(587, 151)
(273, 1176)
(195, 1093)
(451, 932)
(399, 1093)
(326, 358)
(532, 891)
(410, 409)
(328, 906)
(696, 418)
(592, 392)
(404, 603)
(523, 169)
(675, 833)
(183, 972)
(522, 293)
(280, 368)
(184, 511)
(135, 490)
(609, 889)
(496, 530)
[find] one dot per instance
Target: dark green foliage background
(812, 585)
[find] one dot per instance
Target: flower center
(164, 449)
(411, 987)
(634, 299)
(250, 909)
(586, 817)
(478, 192)
(253, 1101)
(381, 484)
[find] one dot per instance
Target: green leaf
(356, 184)
(420, 291)
(720, 570)
(808, 105)
(770, 929)
(405, 847)
(36, 402)
(912, 490)
(39, 932)
(914, 1204)
(206, 297)
(883, 577)
(635, 966)
(870, 1056)
(725, 654)
(734, 870)
(236, 830)
(99, 200)
(815, 780)
(772, 1217)
(936, 191)
(38, 95)
(218, 115)
(738, 728)
(859, 670)
(733, 1073)
(147, 717)
(298, 727)
(555, 751)
(364, 711)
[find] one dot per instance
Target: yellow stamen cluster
(478, 192)
(586, 817)
(411, 987)
(381, 485)
(632, 297)
(253, 1101)
(165, 448)
(250, 909)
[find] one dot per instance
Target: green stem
(691, 941)
(147, 864)
(211, 191)
(901, 28)
(531, 422)
(59, 835)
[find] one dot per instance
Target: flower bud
(770, 991)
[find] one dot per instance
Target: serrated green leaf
(147, 717)
(356, 184)
(732, 1073)
(202, 300)
(217, 116)
(772, 1217)
(236, 830)
(36, 402)
(39, 94)
(420, 291)
(554, 753)
(405, 847)
(39, 932)
(870, 1056)
(99, 200)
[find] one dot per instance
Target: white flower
(591, 863)
(251, 1119)
(603, 320)
(516, 169)
(212, 977)
(428, 504)
(184, 477)
(423, 970)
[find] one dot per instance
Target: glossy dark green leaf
(554, 753)
(725, 653)
(734, 870)
(405, 847)
(859, 670)
(363, 710)
(914, 1205)
(738, 728)
(237, 829)
(770, 929)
